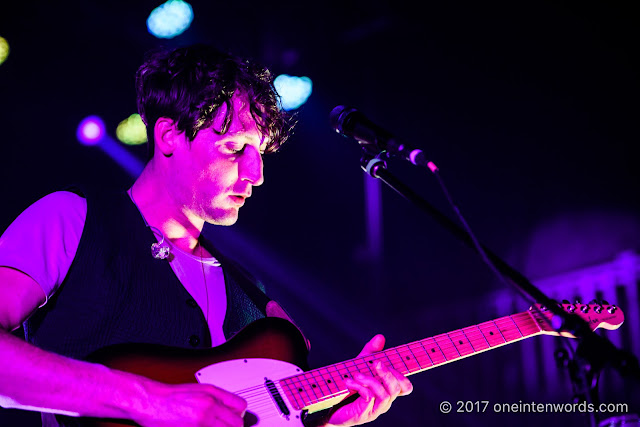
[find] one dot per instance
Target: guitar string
(522, 323)
(445, 350)
(310, 376)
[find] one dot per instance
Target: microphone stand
(593, 352)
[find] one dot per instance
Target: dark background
(529, 108)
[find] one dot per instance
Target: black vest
(117, 292)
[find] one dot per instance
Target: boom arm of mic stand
(600, 350)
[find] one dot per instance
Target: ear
(166, 136)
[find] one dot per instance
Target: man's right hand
(193, 405)
(31, 378)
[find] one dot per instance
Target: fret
(481, 345)
(337, 378)
(509, 332)
(461, 343)
(447, 347)
(425, 351)
(492, 333)
(292, 394)
(410, 361)
(344, 372)
(434, 351)
(516, 325)
(320, 383)
(499, 330)
(369, 361)
(526, 324)
(302, 386)
(403, 368)
(473, 350)
(354, 369)
(386, 354)
(330, 381)
(310, 384)
(476, 339)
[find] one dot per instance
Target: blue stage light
(293, 91)
(170, 19)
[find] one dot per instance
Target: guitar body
(272, 340)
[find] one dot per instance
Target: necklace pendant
(160, 251)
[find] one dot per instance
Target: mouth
(238, 200)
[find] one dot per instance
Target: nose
(251, 167)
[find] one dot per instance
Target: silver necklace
(161, 250)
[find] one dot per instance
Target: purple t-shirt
(42, 243)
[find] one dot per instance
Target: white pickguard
(246, 378)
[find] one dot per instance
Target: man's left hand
(376, 393)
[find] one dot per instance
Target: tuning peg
(604, 302)
(612, 309)
(565, 301)
(593, 301)
(597, 309)
(584, 309)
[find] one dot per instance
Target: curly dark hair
(189, 85)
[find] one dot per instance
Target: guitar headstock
(596, 314)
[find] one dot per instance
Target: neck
(161, 210)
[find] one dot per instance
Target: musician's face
(218, 172)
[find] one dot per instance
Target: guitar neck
(318, 385)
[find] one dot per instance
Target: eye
(236, 149)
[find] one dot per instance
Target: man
(77, 270)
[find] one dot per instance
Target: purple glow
(90, 130)
(124, 158)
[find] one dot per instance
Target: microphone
(352, 123)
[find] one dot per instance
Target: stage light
(170, 19)
(90, 130)
(293, 91)
(4, 49)
(132, 131)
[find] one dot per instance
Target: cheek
(223, 173)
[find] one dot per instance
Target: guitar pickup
(277, 398)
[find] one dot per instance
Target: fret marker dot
(346, 376)
(313, 385)
(460, 341)
(329, 381)
(433, 350)
(408, 358)
(490, 333)
(300, 389)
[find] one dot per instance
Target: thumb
(375, 344)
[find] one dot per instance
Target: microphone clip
(371, 163)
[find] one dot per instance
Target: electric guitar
(261, 363)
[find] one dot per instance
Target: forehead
(242, 121)
(241, 118)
